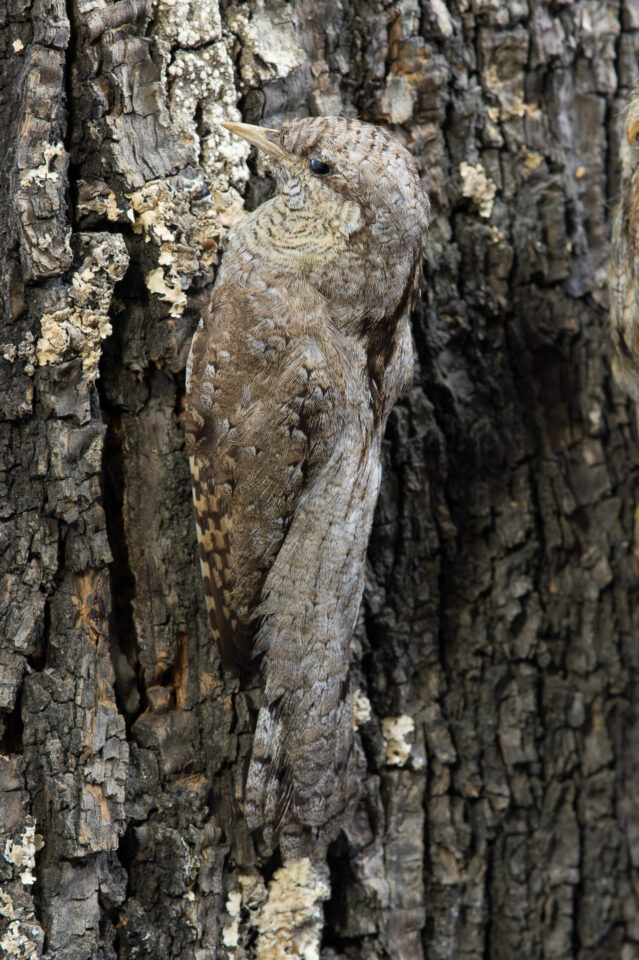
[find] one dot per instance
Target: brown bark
(497, 638)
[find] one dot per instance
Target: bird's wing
(261, 417)
(624, 289)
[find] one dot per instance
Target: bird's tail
(300, 780)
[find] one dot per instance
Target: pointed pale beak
(261, 137)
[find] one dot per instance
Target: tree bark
(496, 643)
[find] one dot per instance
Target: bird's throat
(300, 240)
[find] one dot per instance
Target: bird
(293, 370)
(623, 272)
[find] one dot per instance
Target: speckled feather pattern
(292, 374)
(624, 262)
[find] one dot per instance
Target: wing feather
(261, 417)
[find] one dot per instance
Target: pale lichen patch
(361, 709)
(46, 170)
(95, 196)
(22, 935)
(168, 288)
(230, 934)
(174, 214)
(25, 350)
(442, 16)
(396, 731)
(55, 336)
(188, 23)
(6, 904)
(202, 92)
(160, 203)
(290, 921)
(113, 211)
(477, 185)
(269, 43)
(21, 853)
(80, 327)
(187, 237)
(532, 160)
(16, 944)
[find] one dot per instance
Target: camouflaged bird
(623, 271)
(291, 377)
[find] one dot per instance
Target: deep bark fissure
(122, 632)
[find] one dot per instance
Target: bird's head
(353, 176)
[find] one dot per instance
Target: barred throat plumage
(292, 374)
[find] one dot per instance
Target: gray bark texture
(497, 641)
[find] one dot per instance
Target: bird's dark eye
(319, 167)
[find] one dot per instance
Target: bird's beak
(261, 137)
(632, 123)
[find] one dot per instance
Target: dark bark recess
(497, 640)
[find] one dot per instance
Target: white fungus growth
(396, 731)
(477, 185)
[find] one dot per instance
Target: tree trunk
(496, 644)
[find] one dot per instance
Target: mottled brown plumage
(624, 262)
(292, 374)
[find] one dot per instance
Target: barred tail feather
(215, 560)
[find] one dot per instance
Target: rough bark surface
(497, 641)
